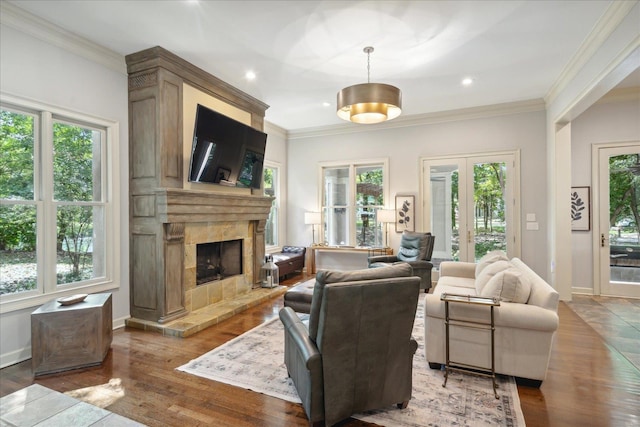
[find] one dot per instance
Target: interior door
(619, 220)
(471, 207)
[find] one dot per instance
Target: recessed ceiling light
(467, 81)
(326, 104)
(250, 75)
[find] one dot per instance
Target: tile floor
(616, 320)
(42, 407)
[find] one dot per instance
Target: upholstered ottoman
(298, 297)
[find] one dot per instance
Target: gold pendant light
(369, 103)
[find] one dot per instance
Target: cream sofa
(524, 330)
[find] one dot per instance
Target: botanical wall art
(405, 208)
(580, 209)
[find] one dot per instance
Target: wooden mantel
(174, 205)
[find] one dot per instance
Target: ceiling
(304, 52)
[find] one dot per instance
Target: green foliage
(74, 166)
(16, 156)
(624, 190)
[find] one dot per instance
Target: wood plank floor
(589, 382)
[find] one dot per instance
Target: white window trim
(281, 225)
(14, 302)
(352, 165)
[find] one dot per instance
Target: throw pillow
(488, 272)
(323, 277)
(509, 285)
(490, 258)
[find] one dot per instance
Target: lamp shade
(369, 103)
(312, 218)
(386, 215)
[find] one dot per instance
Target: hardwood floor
(589, 382)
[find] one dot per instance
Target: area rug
(255, 361)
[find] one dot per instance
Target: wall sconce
(313, 219)
(386, 217)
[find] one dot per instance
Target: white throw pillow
(488, 272)
(490, 258)
(509, 285)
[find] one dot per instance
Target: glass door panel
(468, 211)
(448, 216)
(489, 220)
(619, 187)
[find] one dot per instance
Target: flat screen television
(225, 151)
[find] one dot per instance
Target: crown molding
(472, 113)
(272, 129)
(25, 22)
(605, 26)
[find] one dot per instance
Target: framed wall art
(405, 213)
(580, 208)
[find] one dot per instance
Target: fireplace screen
(218, 260)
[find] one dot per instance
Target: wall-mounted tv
(225, 151)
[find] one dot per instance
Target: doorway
(470, 205)
(617, 182)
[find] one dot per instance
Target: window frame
(351, 206)
(45, 116)
(277, 167)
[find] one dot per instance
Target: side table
(71, 336)
(448, 320)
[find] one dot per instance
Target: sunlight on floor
(100, 395)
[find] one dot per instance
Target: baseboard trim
(582, 291)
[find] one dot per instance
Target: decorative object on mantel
(405, 213)
(313, 219)
(73, 299)
(385, 217)
(369, 103)
(580, 209)
(255, 361)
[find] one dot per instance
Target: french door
(618, 226)
(470, 205)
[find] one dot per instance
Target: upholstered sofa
(525, 321)
(290, 259)
(357, 352)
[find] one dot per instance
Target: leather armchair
(357, 352)
(416, 250)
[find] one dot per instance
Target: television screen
(225, 151)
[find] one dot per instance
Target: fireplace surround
(169, 216)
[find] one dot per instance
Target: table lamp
(386, 216)
(313, 219)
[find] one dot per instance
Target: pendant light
(369, 103)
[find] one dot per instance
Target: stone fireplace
(170, 216)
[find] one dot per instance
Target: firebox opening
(218, 260)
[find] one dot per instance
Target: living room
(92, 79)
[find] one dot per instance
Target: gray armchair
(356, 354)
(415, 249)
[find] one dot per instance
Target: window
(57, 224)
(272, 188)
(351, 196)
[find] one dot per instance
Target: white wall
(276, 155)
(32, 68)
(602, 123)
(404, 147)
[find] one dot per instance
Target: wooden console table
(71, 336)
(312, 253)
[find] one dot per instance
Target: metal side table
(463, 367)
